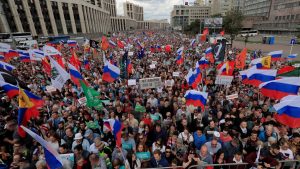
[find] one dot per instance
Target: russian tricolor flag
(208, 52)
(258, 76)
(288, 111)
(194, 77)
(292, 56)
(110, 71)
(193, 42)
(86, 63)
(277, 89)
(129, 66)
(11, 53)
(52, 157)
(198, 75)
(275, 55)
(158, 48)
(112, 43)
(72, 43)
(24, 56)
(203, 63)
(75, 74)
(196, 98)
(244, 76)
(6, 66)
(2, 58)
(180, 58)
(152, 49)
(116, 127)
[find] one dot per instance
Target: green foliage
(233, 23)
(194, 27)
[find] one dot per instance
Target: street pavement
(281, 43)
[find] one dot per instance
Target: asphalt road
(281, 43)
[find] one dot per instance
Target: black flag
(219, 50)
(94, 44)
(7, 77)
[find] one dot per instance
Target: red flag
(285, 69)
(222, 33)
(104, 43)
(241, 59)
(120, 44)
(204, 33)
(75, 61)
(47, 66)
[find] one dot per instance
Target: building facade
(123, 23)
(133, 11)
(54, 17)
(284, 17)
(220, 6)
(182, 16)
(257, 8)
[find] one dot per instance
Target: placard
(233, 96)
(169, 83)
(143, 155)
(152, 66)
(176, 74)
(149, 83)
(130, 53)
(131, 82)
(154, 62)
(223, 80)
(82, 101)
(50, 89)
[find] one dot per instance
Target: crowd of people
(166, 133)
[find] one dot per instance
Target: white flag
(50, 51)
(59, 75)
(36, 54)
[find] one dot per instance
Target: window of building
(276, 17)
(283, 17)
(288, 17)
(279, 18)
(292, 17)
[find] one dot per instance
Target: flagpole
(291, 48)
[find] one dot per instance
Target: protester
(114, 119)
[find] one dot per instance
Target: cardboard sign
(223, 80)
(154, 62)
(131, 82)
(50, 89)
(176, 74)
(169, 83)
(152, 66)
(82, 101)
(130, 53)
(149, 83)
(231, 97)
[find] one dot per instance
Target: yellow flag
(266, 61)
(24, 101)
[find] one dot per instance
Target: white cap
(78, 136)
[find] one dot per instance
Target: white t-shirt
(287, 153)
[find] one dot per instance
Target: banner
(131, 82)
(231, 97)
(150, 83)
(223, 80)
(143, 155)
(58, 75)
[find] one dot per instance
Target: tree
(194, 27)
(233, 23)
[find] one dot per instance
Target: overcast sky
(153, 9)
